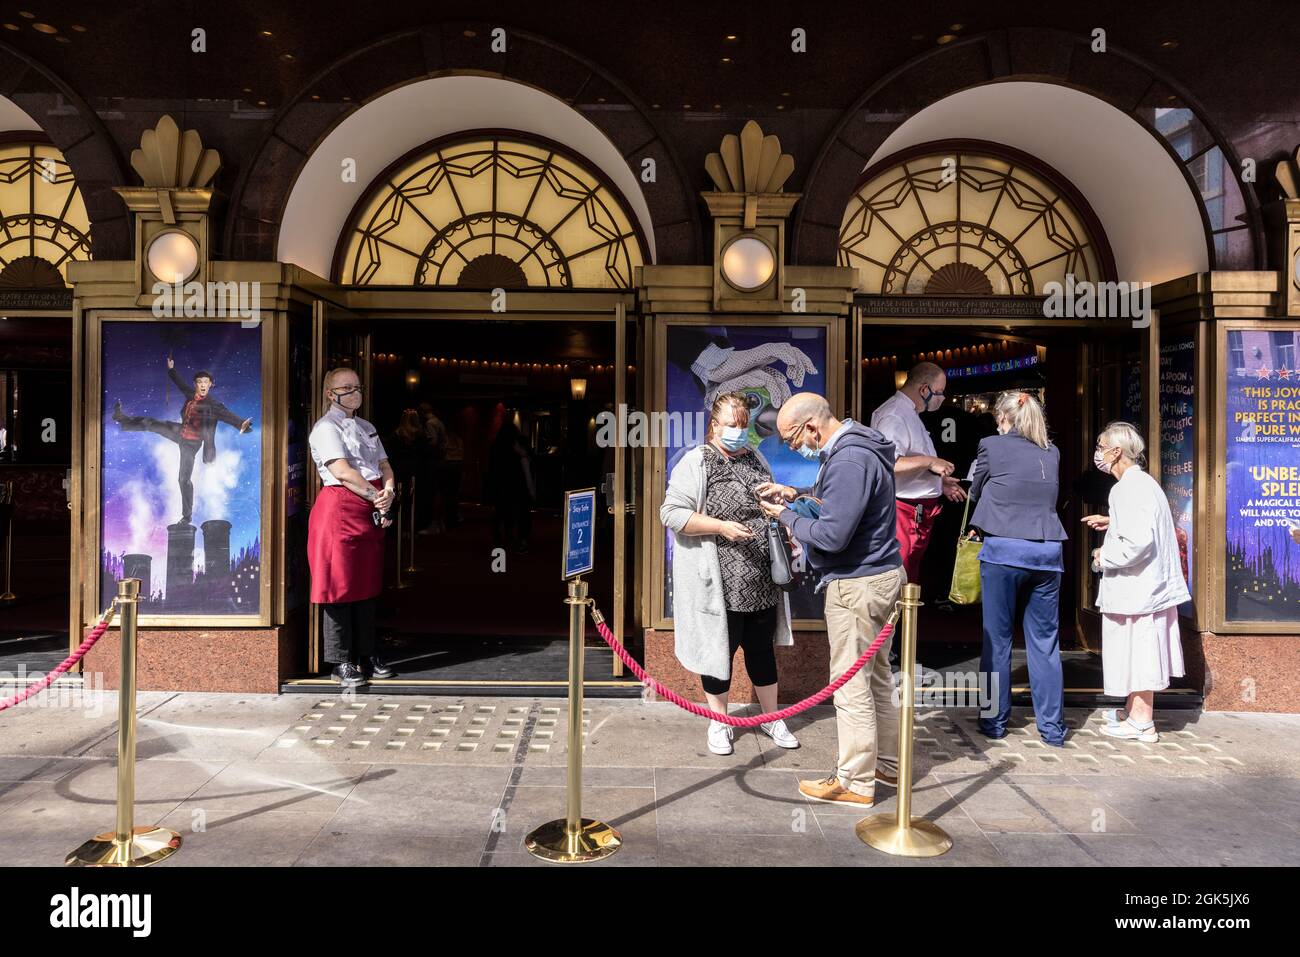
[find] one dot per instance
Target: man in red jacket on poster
(196, 429)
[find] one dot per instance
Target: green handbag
(965, 588)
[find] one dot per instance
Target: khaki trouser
(866, 719)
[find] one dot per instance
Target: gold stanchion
(574, 839)
(400, 583)
(901, 834)
(127, 845)
(411, 536)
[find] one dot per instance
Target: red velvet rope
(36, 688)
(735, 722)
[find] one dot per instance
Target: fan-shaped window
(487, 212)
(43, 222)
(965, 223)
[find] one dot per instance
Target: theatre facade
(541, 246)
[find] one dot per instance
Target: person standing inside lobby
(1016, 486)
(345, 532)
(851, 544)
(922, 480)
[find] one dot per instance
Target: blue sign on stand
(579, 532)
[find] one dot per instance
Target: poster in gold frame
(166, 425)
(1230, 397)
(829, 330)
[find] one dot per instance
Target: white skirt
(1140, 652)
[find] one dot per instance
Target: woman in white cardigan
(1142, 586)
(723, 594)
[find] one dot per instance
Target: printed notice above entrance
(579, 532)
(1262, 577)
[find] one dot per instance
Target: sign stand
(576, 839)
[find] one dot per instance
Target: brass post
(400, 503)
(126, 845)
(9, 595)
(574, 839)
(411, 536)
(901, 834)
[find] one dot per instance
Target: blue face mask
(734, 438)
(808, 452)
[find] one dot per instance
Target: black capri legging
(755, 631)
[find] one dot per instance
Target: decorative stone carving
(168, 159)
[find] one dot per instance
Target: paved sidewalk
(302, 780)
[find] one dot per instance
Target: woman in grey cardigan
(723, 594)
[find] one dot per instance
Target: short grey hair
(1127, 438)
(924, 373)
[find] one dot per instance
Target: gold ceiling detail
(486, 212)
(1287, 174)
(964, 223)
(168, 159)
(749, 163)
(42, 216)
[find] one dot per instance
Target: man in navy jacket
(853, 546)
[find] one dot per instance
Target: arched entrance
(44, 227)
(483, 285)
(965, 249)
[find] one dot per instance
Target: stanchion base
(552, 842)
(922, 839)
(148, 845)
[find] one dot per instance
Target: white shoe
(779, 733)
(1126, 730)
(1112, 715)
(720, 737)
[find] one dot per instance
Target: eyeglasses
(794, 437)
(341, 392)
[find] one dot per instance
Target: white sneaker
(780, 734)
(720, 737)
(1127, 731)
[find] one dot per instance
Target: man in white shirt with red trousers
(922, 480)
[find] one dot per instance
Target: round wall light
(748, 263)
(173, 256)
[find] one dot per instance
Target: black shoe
(374, 668)
(349, 675)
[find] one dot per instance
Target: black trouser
(349, 631)
(755, 631)
(189, 449)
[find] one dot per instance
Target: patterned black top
(729, 496)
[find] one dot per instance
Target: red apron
(345, 548)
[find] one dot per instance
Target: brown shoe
(831, 791)
(884, 777)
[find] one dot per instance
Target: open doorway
(486, 424)
(35, 530)
(1084, 378)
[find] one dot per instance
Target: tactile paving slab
(410, 729)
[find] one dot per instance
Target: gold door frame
(438, 306)
(1216, 398)
(656, 477)
(322, 314)
(91, 491)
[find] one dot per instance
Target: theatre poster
(1262, 476)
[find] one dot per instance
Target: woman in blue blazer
(1016, 488)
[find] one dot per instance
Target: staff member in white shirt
(345, 538)
(1141, 587)
(922, 480)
